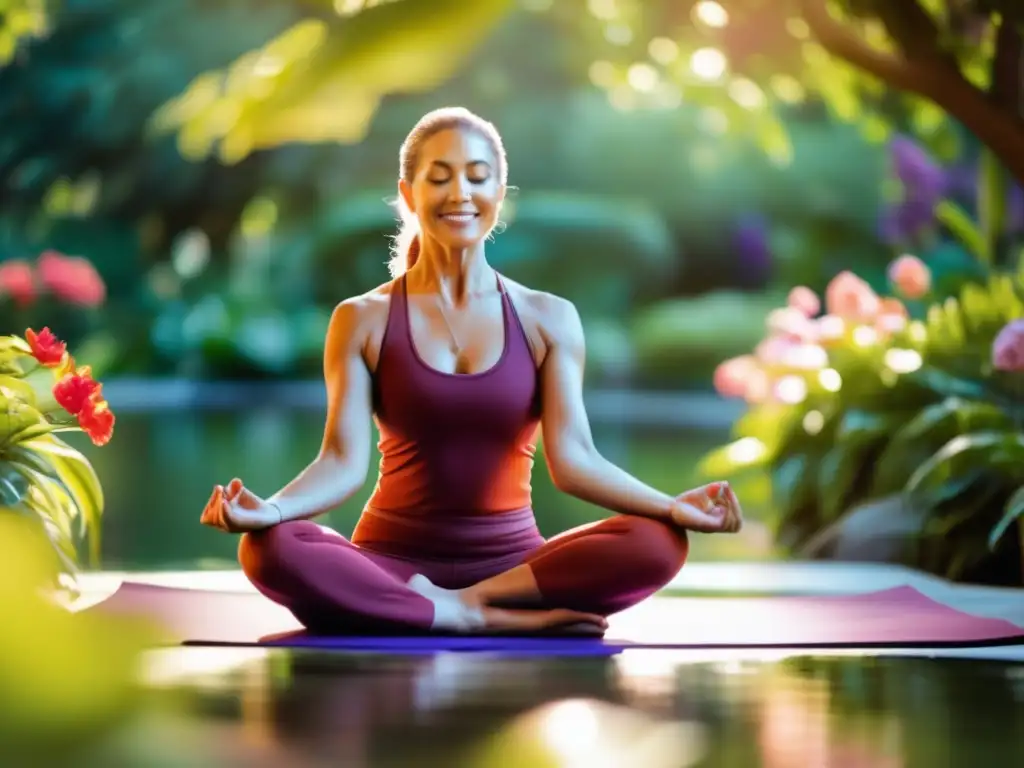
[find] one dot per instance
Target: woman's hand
(712, 508)
(236, 509)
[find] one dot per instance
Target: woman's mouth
(460, 217)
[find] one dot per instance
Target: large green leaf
(1013, 512)
(955, 462)
(794, 484)
(18, 419)
(837, 476)
(79, 478)
(321, 81)
(17, 387)
(935, 425)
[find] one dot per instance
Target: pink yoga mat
(900, 617)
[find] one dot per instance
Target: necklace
(451, 330)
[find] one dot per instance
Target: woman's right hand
(712, 508)
(236, 509)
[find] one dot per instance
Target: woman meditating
(462, 369)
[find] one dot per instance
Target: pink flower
(910, 277)
(732, 376)
(17, 281)
(851, 298)
(773, 350)
(1008, 347)
(805, 301)
(892, 316)
(790, 323)
(71, 278)
(830, 328)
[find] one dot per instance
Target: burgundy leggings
(327, 581)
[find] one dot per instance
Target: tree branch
(1002, 132)
(915, 31)
(840, 41)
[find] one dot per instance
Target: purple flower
(922, 178)
(750, 239)
(924, 183)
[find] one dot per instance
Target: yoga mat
(899, 618)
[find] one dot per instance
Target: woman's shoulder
(550, 314)
(365, 310)
(543, 304)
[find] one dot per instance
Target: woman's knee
(657, 548)
(266, 550)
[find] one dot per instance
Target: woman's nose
(460, 188)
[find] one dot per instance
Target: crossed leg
(600, 568)
(328, 583)
(579, 576)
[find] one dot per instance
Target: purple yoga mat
(900, 617)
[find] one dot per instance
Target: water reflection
(158, 472)
(476, 711)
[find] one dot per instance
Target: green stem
(992, 192)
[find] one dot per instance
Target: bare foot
(556, 620)
(462, 611)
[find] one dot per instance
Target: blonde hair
(405, 247)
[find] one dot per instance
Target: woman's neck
(457, 274)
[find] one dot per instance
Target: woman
(461, 368)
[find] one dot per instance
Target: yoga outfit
(453, 504)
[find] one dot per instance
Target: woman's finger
(210, 511)
(228, 515)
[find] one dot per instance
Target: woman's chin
(461, 241)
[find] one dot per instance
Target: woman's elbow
(348, 472)
(568, 472)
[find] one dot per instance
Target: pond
(160, 467)
(640, 708)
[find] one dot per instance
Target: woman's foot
(457, 611)
(560, 621)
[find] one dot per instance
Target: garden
(814, 209)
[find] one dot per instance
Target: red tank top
(453, 443)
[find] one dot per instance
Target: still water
(640, 709)
(160, 467)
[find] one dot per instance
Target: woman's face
(457, 192)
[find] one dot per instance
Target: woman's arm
(340, 469)
(576, 466)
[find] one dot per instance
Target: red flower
(97, 420)
(17, 281)
(71, 278)
(46, 348)
(74, 391)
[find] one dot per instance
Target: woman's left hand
(236, 509)
(712, 508)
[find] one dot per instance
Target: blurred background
(793, 229)
(189, 188)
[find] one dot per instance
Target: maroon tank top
(456, 444)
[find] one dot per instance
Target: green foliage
(323, 78)
(69, 678)
(20, 19)
(679, 341)
(42, 478)
(880, 66)
(919, 412)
